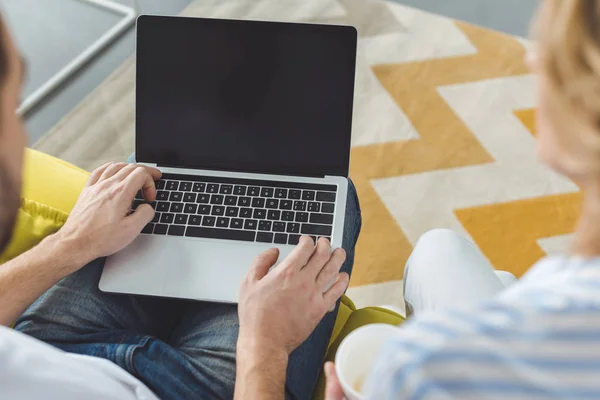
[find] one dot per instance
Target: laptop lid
(263, 97)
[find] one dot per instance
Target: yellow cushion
(50, 190)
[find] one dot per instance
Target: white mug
(355, 358)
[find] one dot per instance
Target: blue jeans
(179, 349)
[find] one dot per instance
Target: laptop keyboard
(239, 209)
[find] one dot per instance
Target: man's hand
(333, 389)
(278, 310)
(100, 224)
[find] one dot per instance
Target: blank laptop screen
(245, 96)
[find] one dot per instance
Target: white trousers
(446, 270)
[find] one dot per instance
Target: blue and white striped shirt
(539, 339)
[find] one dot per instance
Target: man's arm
(99, 225)
(260, 372)
(278, 311)
(28, 276)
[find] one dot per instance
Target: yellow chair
(51, 188)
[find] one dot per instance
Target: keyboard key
(272, 203)
(162, 195)
(285, 205)
(326, 196)
(203, 198)
(250, 224)
(237, 223)
(181, 219)
(308, 195)
(160, 229)
(258, 202)
(139, 195)
(212, 188)
(176, 230)
(208, 221)
(321, 218)
(176, 207)
(279, 226)
(136, 204)
(190, 208)
(226, 189)
(314, 206)
(266, 192)
(280, 238)
(259, 213)
(172, 185)
(244, 201)
(230, 200)
(216, 199)
(159, 184)
(299, 205)
(232, 211)
(294, 194)
(204, 209)
(253, 191)
(156, 217)
(280, 193)
(301, 217)
(229, 234)
(327, 208)
(176, 196)
(189, 197)
(199, 187)
(223, 222)
(320, 230)
(314, 238)
(293, 227)
(239, 190)
(194, 220)
(167, 218)
(246, 213)
(264, 225)
(148, 228)
(185, 186)
(218, 210)
(264, 237)
(287, 216)
(274, 215)
(294, 239)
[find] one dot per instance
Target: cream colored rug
(442, 136)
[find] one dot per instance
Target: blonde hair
(568, 33)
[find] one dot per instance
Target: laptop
(250, 124)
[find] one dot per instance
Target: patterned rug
(443, 136)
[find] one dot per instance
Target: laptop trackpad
(209, 269)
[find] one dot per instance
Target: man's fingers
(319, 257)
(140, 178)
(111, 170)
(336, 291)
(140, 218)
(333, 388)
(95, 175)
(262, 263)
(300, 255)
(329, 272)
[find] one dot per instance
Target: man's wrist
(66, 253)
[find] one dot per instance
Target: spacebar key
(212, 233)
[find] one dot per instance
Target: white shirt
(31, 369)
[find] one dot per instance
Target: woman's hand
(100, 224)
(333, 389)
